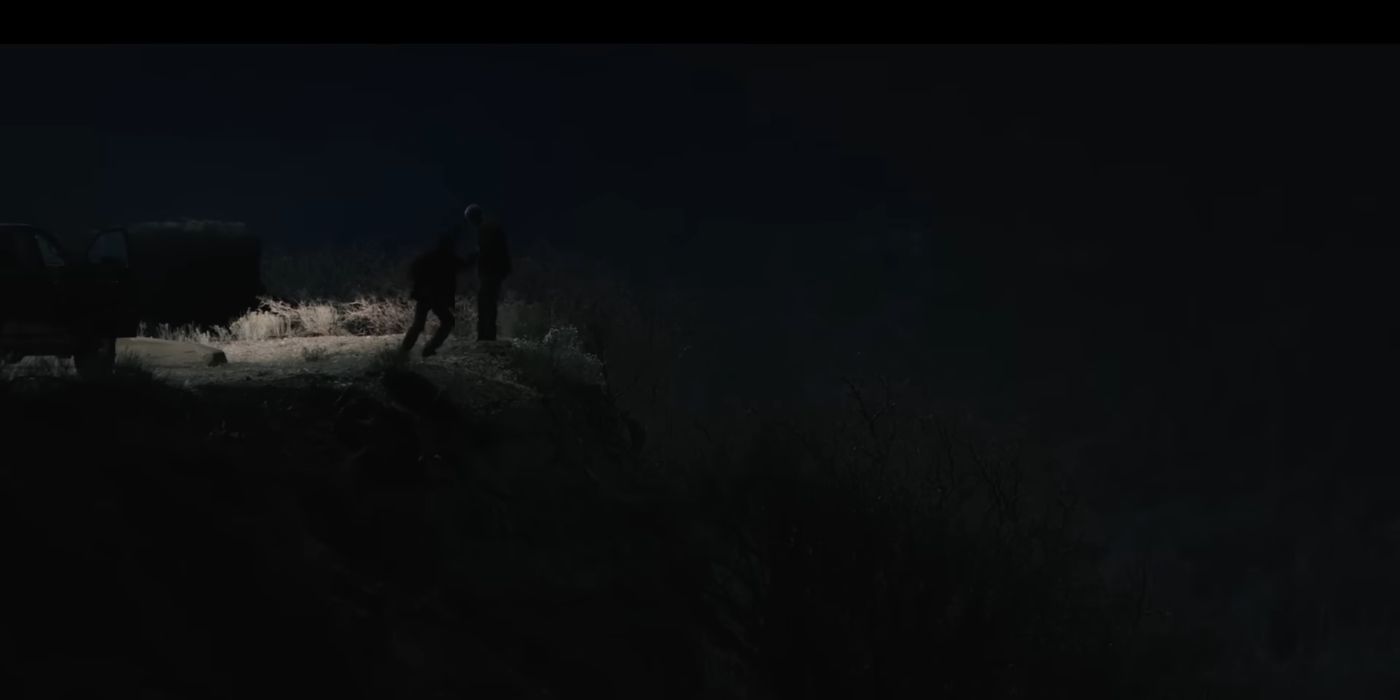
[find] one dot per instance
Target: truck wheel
(97, 359)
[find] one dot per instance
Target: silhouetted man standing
(434, 276)
(493, 266)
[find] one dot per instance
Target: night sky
(1179, 259)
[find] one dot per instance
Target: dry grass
(317, 319)
(359, 289)
(215, 336)
(559, 356)
(261, 325)
(39, 366)
(313, 354)
(375, 316)
(366, 316)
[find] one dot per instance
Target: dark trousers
(488, 297)
(443, 310)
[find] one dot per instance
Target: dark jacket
(434, 275)
(494, 252)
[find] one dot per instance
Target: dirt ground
(484, 376)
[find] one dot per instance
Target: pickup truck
(56, 302)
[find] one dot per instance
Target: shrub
(881, 550)
(316, 319)
(261, 325)
(559, 357)
(365, 316)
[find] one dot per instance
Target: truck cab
(56, 302)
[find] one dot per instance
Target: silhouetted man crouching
(434, 276)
